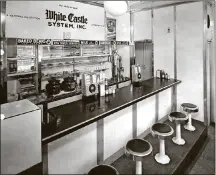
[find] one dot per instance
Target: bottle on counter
(163, 74)
(110, 90)
(166, 76)
(102, 89)
(158, 73)
(106, 87)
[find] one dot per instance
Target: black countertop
(76, 115)
(42, 98)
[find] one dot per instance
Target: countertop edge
(63, 133)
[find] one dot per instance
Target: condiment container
(106, 87)
(110, 90)
(166, 76)
(158, 72)
(102, 89)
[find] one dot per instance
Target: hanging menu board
(105, 42)
(21, 41)
(44, 42)
(65, 42)
(120, 42)
(85, 42)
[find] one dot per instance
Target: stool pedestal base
(162, 159)
(178, 141)
(189, 127)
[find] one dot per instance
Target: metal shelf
(43, 60)
(22, 58)
(62, 76)
(21, 73)
(89, 63)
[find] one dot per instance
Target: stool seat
(162, 129)
(103, 169)
(190, 108)
(137, 149)
(177, 116)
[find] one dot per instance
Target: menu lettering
(59, 19)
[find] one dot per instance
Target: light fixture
(2, 17)
(116, 8)
(1, 52)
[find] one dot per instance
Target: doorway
(144, 57)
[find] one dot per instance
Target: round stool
(179, 118)
(137, 149)
(189, 109)
(103, 169)
(162, 130)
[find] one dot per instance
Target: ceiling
(138, 5)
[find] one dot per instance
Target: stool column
(138, 167)
(189, 125)
(178, 131)
(178, 139)
(162, 147)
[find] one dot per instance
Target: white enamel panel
(75, 153)
(145, 114)
(123, 27)
(189, 21)
(165, 103)
(163, 40)
(142, 25)
(117, 131)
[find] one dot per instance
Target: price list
(65, 42)
(21, 41)
(87, 42)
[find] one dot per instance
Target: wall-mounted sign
(85, 42)
(22, 41)
(65, 42)
(105, 42)
(122, 42)
(111, 29)
(54, 20)
(44, 42)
